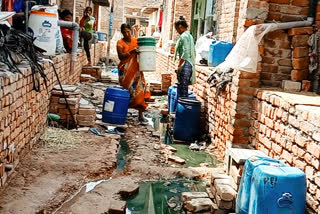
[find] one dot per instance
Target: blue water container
(243, 198)
(174, 99)
(169, 94)
(219, 50)
(115, 105)
(101, 36)
(277, 190)
(187, 121)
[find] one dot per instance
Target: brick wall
(291, 132)
(226, 117)
(171, 13)
(227, 13)
(23, 111)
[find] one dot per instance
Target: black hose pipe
(312, 9)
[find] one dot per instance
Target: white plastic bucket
(147, 58)
(43, 26)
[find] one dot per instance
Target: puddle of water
(122, 154)
(161, 124)
(193, 158)
(162, 197)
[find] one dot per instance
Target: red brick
(314, 149)
(280, 1)
(301, 3)
(277, 148)
(306, 84)
(300, 164)
(274, 16)
(277, 35)
(316, 163)
(308, 158)
(300, 31)
(300, 52)
(298, 75)
(300, 63)
(287, 156)
(309, 172)
(300, 41)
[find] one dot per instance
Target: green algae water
(162, 197)
(193, 158)
(122, 154)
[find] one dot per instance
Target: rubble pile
(223, 191)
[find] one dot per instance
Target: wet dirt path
(49, 179)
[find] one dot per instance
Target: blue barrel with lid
(218, 51)
(187, 121)
(115, 105)
(277, 190)
(244, 197)
(173, 87)
(174, 99)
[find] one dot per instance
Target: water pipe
(76, 30)
(27, 11)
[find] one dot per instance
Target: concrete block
(198, 205)
(187, 196)
(288, 85)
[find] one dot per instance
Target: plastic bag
(202, 47)
(245, 56)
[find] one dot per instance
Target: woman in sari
(130, 77)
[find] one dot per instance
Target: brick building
(254, 111)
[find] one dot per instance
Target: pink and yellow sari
(131, 78)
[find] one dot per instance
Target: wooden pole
(110, 32)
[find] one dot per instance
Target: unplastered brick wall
(227, 12)
(282, 129)
(23, 111)
(226, 116)
(172, 11)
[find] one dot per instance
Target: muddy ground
(51, 177)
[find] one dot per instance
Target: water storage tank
(147, 56)
(277, 190)
(187, 121)
(43, 25)
(174, 98)
(243, 198)
(115, 105)
(219, 50)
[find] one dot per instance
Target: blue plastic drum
(187, 121)
(115, 105)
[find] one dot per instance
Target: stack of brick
(300, 56)
(155, 86)
(94, 71)
(165, 82)
(87, 114)
(58, 103)
(291, 132)
(224, 192)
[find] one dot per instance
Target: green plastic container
(146, 41)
